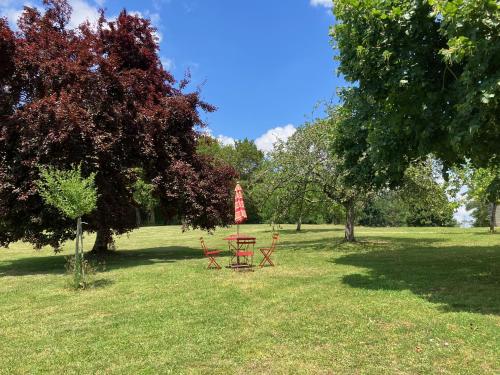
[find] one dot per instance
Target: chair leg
(267, 258)
(213, 262)
(261, 264)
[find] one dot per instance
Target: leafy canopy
(420, 201)
(484, 184)
(425, 79)
(68, 191)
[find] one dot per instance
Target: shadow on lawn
(363, 244)
(55, 264)
(309, 230)
(459, 278)
(487, 233)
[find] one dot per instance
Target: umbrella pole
(237, 243)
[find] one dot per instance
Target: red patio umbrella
(240, 214)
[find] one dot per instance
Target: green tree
(385, 209)
(484, 188)
(419, 201)
(210, 146)
(480, 212)
(426, 199)
(424, 80)
(143, 193)
(74, 196)
(305, 171)
(244, 155)
(246, 159)
(286, 185)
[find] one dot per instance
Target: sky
(265, 64)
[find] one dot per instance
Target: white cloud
(267, 140)
(82, 11)
(11, 14)
(159, 35)
(225, 140)
(321, 3)
(153, 16)
(264, 143)
(12, 10)
(168, 64)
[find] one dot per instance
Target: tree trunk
(79, 237)
(299, 224)
(301, 209)
(152, 217)
(493, 215)
(102, 241)
(77, 243)
(349, 222)
(137, 217)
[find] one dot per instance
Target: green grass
(401, 301)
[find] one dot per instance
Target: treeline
(287, 186)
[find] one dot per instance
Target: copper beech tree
(98, 96)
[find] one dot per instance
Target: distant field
(401, 301)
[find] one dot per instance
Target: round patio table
(239, 243)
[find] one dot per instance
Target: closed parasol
(240, 214)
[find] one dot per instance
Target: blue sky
(263, 63)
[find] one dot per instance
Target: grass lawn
(401, 301)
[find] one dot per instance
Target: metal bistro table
(242, 248)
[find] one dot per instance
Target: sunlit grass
(403, 300)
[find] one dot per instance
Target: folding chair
(210, 254)
(243, 251)
(268, 251)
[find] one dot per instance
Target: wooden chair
(244, 253)
(268, 251)
(210, 254)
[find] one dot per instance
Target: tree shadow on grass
(487, 233)
(101, 283)
(309, 230)
(55, 264)
(363, 244)
(459, 278)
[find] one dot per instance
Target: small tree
(73, 195)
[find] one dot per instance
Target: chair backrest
(276, 237)
(203, 245)
(245, 242)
